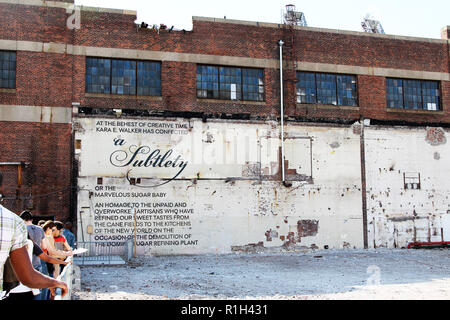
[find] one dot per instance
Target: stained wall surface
(219, 203)
(407, 185)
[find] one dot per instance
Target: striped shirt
(13, 236)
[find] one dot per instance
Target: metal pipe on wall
(283, 177)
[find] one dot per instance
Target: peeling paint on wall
(436, 136)
(356, 128)
(335, 145)
(406, 202)
(271, 234)
(307, 228)
(220, 202)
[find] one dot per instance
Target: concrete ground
(320, 275)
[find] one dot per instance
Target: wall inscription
(152, 216)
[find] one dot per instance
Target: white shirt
(21, 288)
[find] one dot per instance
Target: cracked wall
(230, 198)
(399, 211)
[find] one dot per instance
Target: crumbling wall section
(228, 196)
(407, 185)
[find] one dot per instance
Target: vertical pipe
(19, 175)
(135, 253)
(363, 187)
(280, 43)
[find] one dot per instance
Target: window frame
(136, 62)
(9, 70)
(336, 88)
(439, 107)
(238, 90)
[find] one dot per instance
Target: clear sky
(416, 18)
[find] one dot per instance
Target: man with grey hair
(13, 242)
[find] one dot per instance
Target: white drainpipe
(280, 43)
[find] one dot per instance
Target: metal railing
(102, 253)
(97, 253)
(67, 277)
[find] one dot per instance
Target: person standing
(22, 292)
(67, 232)
(60, 241)
(13, 242)
(48, 245)
(36, 234)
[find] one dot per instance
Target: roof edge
(315, 29)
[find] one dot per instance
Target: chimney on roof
(445, 33)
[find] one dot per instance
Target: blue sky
(416, 18)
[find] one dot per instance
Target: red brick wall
(46, 79)
(34, 23)
(226, 39)
(47, 148)
(57, 80)
(42, 79)
(372, 96)
(372, 51)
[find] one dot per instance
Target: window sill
(395, 110)
(231, 101)
(122, 96)
(327, 106)
(4, 90)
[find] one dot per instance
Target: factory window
(230, 83)
(124, 77)
(149, 78)
(306, 87)
(326, 88)
(7, 69)
(412, 94)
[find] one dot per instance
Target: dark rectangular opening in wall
(99, 180)
(411, 180)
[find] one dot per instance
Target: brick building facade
(50, 83)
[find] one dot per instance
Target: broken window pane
(127, 77)
(325, 88)
(230, 83)
(413, 94)
(306, 87)
(148, 78)
(346, 90)
(123, 78)
(98, 72)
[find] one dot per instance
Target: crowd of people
(32, 256)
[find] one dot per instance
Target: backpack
(10, 280)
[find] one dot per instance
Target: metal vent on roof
(293, 17)
(371, 25)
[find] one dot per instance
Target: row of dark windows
(143, 78)
(128, 77)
